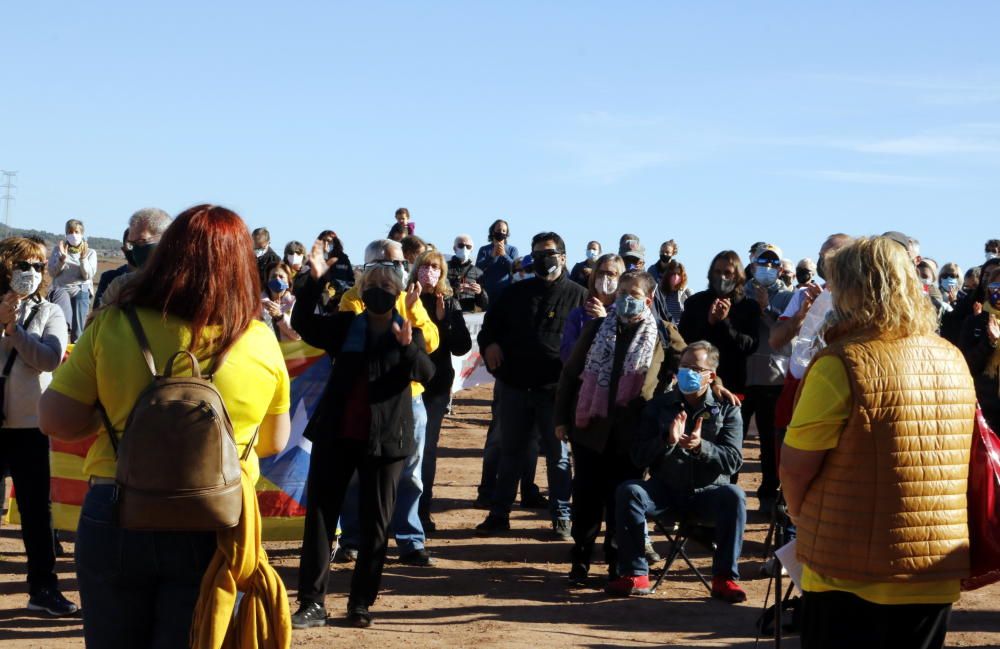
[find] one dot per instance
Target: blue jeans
(437, 408)
(74, 307)
(723, 507)
(491, 457)
(138, 589)
(522, 412)
(406, 525)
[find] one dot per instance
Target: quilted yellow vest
(889, 504)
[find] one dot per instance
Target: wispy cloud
(964, 139)
(866, 177)
(928, 90)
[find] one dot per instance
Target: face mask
(688, 381)
(462, 253)
(428, 276)
(673, 282)
(593, 254)
(665, 259)
(993, 294)
(949, 284)
(259, 253)
(546, 264)
(329, 249)
(927, 282)
(991, 255)
(141, 254)
(25, 282)
(765, 276)
(821, 268)
(295, 260)
(606, 285)
(723, 287)
(277, 285)
(803, 275)
(378, 300)
(629, 307)
(74, 239)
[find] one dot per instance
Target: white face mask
(295, 260)
(991, 255)
(461, 253)
(74, 239)
(25, 282)
(606, 285)
(259, 253)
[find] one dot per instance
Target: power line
(8, 194)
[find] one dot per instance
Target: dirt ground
(499, 592)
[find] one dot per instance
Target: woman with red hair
(140, 588)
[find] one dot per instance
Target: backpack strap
(108, 426)
(253, 440)
(140, 335)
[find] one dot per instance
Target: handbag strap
(13, 352)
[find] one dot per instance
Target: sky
(714, 124)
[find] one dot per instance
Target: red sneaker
(627, 586)
(727, 590)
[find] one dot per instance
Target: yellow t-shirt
(418, 317)
(820, 416)
(107, 365)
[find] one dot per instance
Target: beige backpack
(178, 465)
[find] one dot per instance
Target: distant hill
(104, 247)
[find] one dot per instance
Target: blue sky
(716, 124)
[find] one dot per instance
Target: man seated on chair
(692, 444)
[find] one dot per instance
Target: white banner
(470, 370)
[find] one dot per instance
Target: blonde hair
(876, 292)
(443, 286)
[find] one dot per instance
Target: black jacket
(976, 347)
(340, 277)
(721, 452)
(581, 272)
(468, 273)
(455, 341)
(527, 322)
(736, 337)
(388, 366)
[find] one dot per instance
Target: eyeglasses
(385, 263)
(695, 368)
(463, 245)
(25, 266)
(130, 245)
(949, 277)
(770, 263)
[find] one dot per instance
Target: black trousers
(595, 481)
(330, 471)
(837, 619)
(24, 454)
(761, 400)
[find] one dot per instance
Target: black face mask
(542, 262)
(722, 287)
(499, 236)
(378, 300)
(803, 275)
(141, 254)
(820, 268)
(665, 259)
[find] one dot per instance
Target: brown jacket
(889, 504)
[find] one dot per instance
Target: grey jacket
(768, 366)
(40, 349)
(721, 453)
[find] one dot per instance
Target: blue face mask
(593, 254)
(688, 380)
(629, 307)
(277, 285)
(949, 283)
(765, 276)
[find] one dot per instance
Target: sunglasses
(770, 263)
(25, 266)
(385, 263)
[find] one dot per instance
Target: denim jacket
(721, 452)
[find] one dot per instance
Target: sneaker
(419, 558)
(536, 501)
(493, 524)
(358, 616)
(310, 614)
(578, 574)
(727, 590)
(628, 586)
(51, 601)
(767, 570)
(344, 555)
(652, 556)
(563, 529)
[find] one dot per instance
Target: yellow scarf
(240, 564)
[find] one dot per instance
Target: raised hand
(317, 259)
(676, 431)
(404, 334)
(412, 294)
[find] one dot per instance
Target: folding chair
(679, 529)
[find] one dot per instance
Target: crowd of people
(638, 389)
